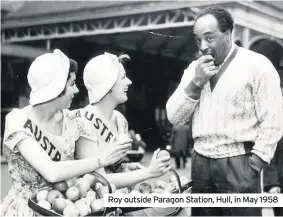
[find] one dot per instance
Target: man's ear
(228, 35)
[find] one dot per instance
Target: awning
(158, 27)
(21, 51)
(53, 12)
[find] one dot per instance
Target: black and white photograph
(141, 108)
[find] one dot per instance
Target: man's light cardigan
(245, 105)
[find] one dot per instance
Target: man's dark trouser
(224, 175)
(278, 211)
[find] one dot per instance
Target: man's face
(210, 39)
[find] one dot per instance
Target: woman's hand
(158, 166)
(111, 153)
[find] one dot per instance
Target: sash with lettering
(104, 131)
(44, 139)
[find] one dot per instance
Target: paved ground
(6, 181)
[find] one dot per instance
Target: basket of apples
(82, 196)
(174, 185)
(170, 183)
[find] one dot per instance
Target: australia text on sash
(45, 143)
(98, 124)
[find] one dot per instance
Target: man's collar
(229, 53)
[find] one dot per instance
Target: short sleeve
(84, 127)
(16, 130)
(122, 123)
(80, 126)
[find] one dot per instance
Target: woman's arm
(57, 171)
(54, 171)
(88, 150)
(127, 179)
(156, 168)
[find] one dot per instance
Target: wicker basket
(150, 211)
(112, 211)
(107, 211)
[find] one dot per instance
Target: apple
(134, 191)
(41, 195)
(59, 205)
(71, 182)
(165, 191)
(91, 179)
(73, 193)
(83, 201)
(53, 194)
(157, 191)
(45, 204)
(160, 184)
(97, 205)
(83, 206)
(98, 185)
(71, 210)
(145, 187)
(83, 186)
(83, 209)
(68, 201)
(137, 187)
(60, 186)
(102, 203)
(147, 191)
(122, 191)
(162, 153)
(170, 187)
(90, 195)
(173, 179)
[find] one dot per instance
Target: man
(232, 96)
(273, 174)
(180, 142)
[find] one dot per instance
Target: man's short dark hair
(224, 18)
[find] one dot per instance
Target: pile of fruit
(74, 197)
(160, 186)
(84, 195)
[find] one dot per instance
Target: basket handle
(176, 210)
(178, 180)
(103, 180)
